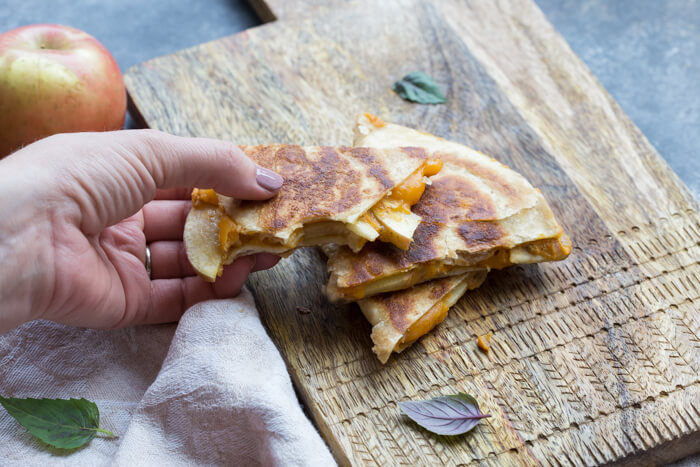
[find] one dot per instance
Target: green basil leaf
(445, 415)
(419, 87)
(62, 423)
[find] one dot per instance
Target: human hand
(76, 213)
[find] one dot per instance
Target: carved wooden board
(595, 359)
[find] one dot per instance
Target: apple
(56, 79)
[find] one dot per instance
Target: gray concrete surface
(645, 52)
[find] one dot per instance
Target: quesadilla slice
(347, 196)
(476, 214)
(401, 318)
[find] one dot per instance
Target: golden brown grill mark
(313, 187)
(414, 152)
(370, 265)
(423, 248)
(263, 155)
(397, 305)
(339, 175)
(290, 158)
(480, 235)
(378, 171)
(295, 167)
(487, 173)
(439, 289)
(449, 201)
(453, 199)
(375, 257)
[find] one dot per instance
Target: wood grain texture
(595, 359)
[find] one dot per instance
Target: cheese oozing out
(545, 249)
(434, 316)
(389, 220)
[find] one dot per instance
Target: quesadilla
(400, 318)
(476, 214)
(347, 196)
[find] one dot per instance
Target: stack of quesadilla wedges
(477, 214)
(409, 223)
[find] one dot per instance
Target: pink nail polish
(268, 179)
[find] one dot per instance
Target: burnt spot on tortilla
(452, 199)
(480, 235)
(422, 249)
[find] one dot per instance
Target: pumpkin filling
(390, 220)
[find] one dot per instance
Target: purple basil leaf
(445, 415)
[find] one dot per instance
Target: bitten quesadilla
(476, 214)
(347, 196)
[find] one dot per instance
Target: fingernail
(268, 179)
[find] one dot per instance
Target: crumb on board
(484, 342)
(303, 310)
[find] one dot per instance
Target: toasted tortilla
(476, 214)
(401, 318)
(326, 193)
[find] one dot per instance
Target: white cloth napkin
(214, 391)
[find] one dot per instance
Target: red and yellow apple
(56, 79)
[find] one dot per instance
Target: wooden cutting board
(595, 359)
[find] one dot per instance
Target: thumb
(133, 164)
(175, 161)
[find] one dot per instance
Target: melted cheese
(547, 249)
(391, 217)
(484, 342)
(434, 316)
(410, 191)
(402, 280)
(390, 220)
(200, 196)
(374, 120)
(425, 323)
(229, 233)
